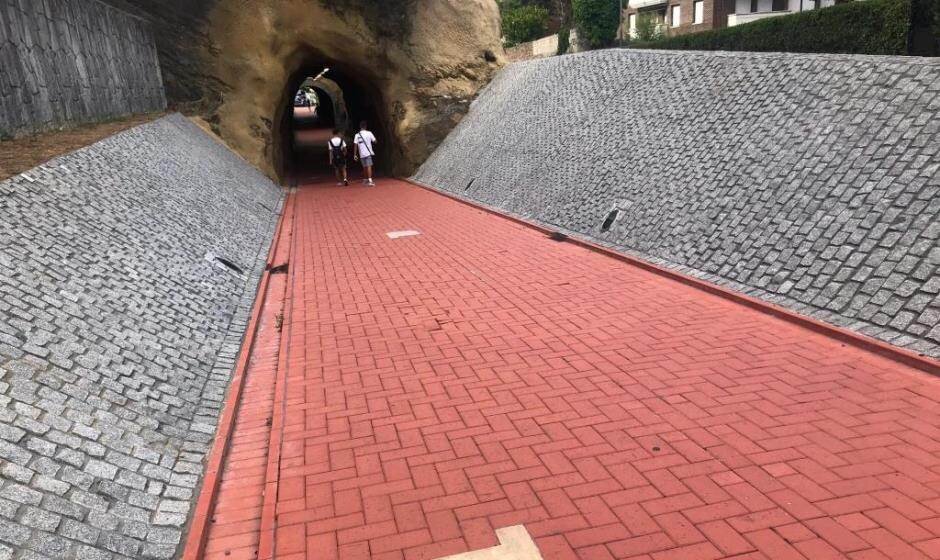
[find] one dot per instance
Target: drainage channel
(609, 221)
(213, 497)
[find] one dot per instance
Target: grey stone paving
(73, 61)
(118, 336)
(812, 181)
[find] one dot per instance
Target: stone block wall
(540, 48)
(119, 330)
(65, 62)
(812, 181)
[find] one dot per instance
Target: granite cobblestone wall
(65, 62)
(119, 329)
(812, 181)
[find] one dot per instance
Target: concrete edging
(906, 357)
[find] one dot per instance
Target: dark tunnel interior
(302, 134)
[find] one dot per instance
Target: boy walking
(365, 152)
(337, 150)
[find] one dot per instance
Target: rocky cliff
(415, 64)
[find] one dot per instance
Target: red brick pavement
(481, 375)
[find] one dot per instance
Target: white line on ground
(514, 544)
(405, 233)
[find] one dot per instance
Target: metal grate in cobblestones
(610, 219)
(229, 264)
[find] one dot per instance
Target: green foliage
(870, 27)
(564, 40)
(648, 27)
(522, 22)
(596, 21)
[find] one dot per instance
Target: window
(779, 5)
(674, 15)
(753, 6)
(698, 11)
(631, 24)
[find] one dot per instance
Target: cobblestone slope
(73, 61)
(812, 181)
(118, 333)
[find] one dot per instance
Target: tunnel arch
(326, 108)
(335, 93)
(411, 69)
(363, 98)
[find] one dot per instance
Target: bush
(596, 21)
(524, 23)
(648, 28)
(870, 27)
(564, 40)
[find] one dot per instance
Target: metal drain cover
(223, 263)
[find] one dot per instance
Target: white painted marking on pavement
(514, 544)
(406, 233)
(28, 178)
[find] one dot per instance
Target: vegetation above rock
(596, 21)
(523, 20)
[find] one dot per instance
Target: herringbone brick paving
(481, 375)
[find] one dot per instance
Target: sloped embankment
(812, 181)
(119, 328)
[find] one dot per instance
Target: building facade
(676, 17)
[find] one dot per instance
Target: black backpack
(339, 154)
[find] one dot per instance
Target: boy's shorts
(366, 161)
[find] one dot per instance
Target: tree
(596, 21)
(648, 27)
(523, 23)
(564, 40)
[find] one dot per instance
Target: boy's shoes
(345, 183)
(371, 183)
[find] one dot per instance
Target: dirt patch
(23, 154)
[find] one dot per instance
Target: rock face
(410, 66)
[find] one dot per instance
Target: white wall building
(688, 16)
(752, 10)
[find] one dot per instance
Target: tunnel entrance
(415, 65)
(319, 98)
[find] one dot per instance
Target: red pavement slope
(480, 375)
